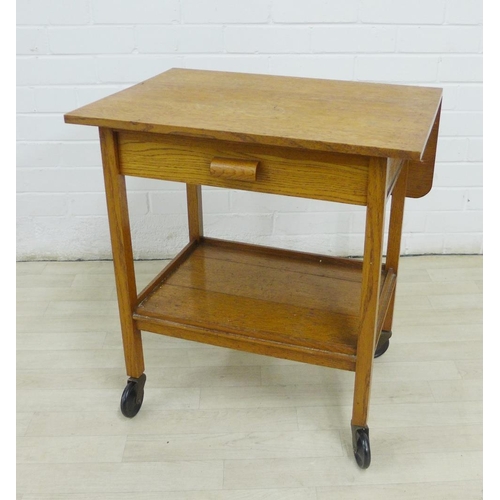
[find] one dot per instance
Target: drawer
(251, 167)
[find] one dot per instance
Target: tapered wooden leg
(195, 213)
(395, 232)
(372, 265)
(121, 243)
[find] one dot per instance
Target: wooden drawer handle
(238, 170)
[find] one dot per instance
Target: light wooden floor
(223, 425)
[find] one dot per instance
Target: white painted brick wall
(267, 39)
(134, 12)
(314, 11)
(358, 39)
(224, 12)
(91, 40)
(73, 53)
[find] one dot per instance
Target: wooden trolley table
(347, 142)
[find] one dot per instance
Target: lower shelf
(268, 301)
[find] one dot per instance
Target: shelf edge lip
(330, 358)
(171, 266)
(166, 322)
(296, 254)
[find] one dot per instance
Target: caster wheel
(383, 343)
(361, 446)
(132, 396)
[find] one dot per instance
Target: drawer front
(251, 167)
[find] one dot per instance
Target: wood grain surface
(308, 174)
(349, 117)
(121, 244)
(237, 294)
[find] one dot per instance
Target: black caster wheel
(361, 446)
(383, 343)
(132, 396)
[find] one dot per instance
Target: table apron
(287, 171)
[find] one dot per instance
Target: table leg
(195, 213)
(370, 289)
(121, 244)
(395, 232)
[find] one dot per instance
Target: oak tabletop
(348, 117)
